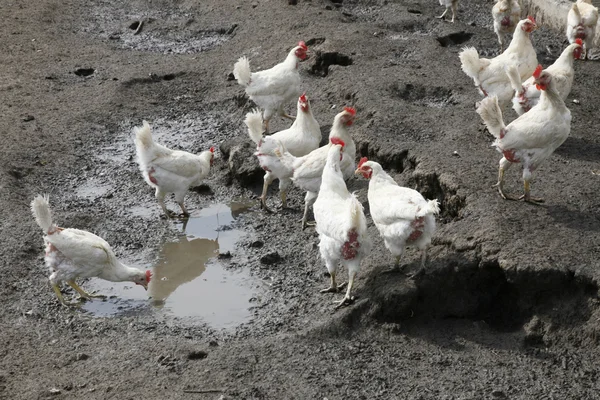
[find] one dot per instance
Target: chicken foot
(334, 288)
(82, 293)
(347, 300)
(527, 197)
(263, 197)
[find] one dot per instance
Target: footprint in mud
(189, 281)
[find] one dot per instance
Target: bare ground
(507, 308)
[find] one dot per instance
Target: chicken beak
(145, 286)
(357, 172)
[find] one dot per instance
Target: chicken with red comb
(307, 170)
(403, 216)
(341, 224)
(532, 138)
(489, 75)
(300, 139)
(273, 88)
(506, 15)
(527, 95)
(73, 253)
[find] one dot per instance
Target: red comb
(531, 19)
(303, 45)
(212, 149)
(538, 71)
(336, 140)
(362, 161)
(303, 98)
(579, 42)
(350, 110)
(148, 275)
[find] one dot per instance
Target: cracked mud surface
(507, 306)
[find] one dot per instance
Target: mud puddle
(189, 281)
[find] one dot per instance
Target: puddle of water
(188, 279)
(92, 189)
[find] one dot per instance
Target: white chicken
(341, 224)
(309, 168)
(300, 139)
(489, 75)
(73, 253)
(527, 95)
(581, 24)
(402, 215)
(170, 171)
(531, 138)
(506, 15)
(449, 4)
(273, 88)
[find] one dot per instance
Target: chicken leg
(527, 197)
(333, 287)
(82, 293)
(347, 300)
(160, 197)
(504, 165)
(283, 199)
(309, 200)
(59, 295)
(268, 179)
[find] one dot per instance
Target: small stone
(81, 357)
(28, 118)
(257, 244)
(54, 391)
(254, 5)
(270, 258)
(213, 343)
(224, 255)
(499, 394)
(230, 77)
(197, 355)
(455, 153)
(575, 101)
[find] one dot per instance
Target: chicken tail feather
(470, 63)
(41, 212)
(490, 113)
(143, 137)
(254, 123)
(433, 207)
(241, 71)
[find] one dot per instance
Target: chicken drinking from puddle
(402, 215)
(300, 139)
(273, 88)
(531, 138)
(341, 223)
(170, 171)
(73, 253)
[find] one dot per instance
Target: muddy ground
(508, 305)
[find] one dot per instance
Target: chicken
(300, 139)
(489, 75)
(449, 4)
(170, 171)
(72, 254)
(581, 24)
(273, 88)
(309, 168)
(531, 138)
(402, 215)
(506, 15)
(527, 94)
(341, 223)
